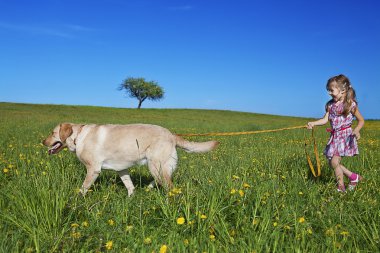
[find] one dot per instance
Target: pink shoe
(353, 183)
(341, 188)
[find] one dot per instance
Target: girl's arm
(319, 122)
(360, 120)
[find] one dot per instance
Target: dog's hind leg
(162, 169)
(126, 178)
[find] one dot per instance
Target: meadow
(255, 193)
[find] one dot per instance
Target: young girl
(340, 111)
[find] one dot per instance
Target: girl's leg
(340, 171)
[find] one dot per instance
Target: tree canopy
(140, 89)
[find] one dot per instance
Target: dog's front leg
(92, 174)
(126, 178)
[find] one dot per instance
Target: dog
(118, 147)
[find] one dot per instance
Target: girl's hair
(343, 84)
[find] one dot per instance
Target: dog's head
(56, 141)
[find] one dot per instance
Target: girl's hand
(310, 125)
(356, 133)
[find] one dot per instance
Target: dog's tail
(196, 147)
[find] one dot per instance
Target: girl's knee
(334, 162)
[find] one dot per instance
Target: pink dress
(341, 142)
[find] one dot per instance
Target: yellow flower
(75, 235)
(109, 245)
(300, 193)
(180, 220)
(255, 221)
(212, 237)
(301, 220)
(85, 224)
(177, 190)
(111, 222)
(186, 242)
(275, 224)
(5, 170)
(147, 240)
(74, 225)
(129, 228)
(329, 232)
(233, 191)
(203, 216)
(245, 185)
(309, 231)
(235, 177)
(344, 233)
(241, 193)
(163, 248)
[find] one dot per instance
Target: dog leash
(311, 166)
(243, 133)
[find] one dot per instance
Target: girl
(340, 111)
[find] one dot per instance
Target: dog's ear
(65, 131)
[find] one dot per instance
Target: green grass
(255, 193)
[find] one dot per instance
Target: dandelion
(255, 221)
(203, 217)
(163, 248)
(147, 240)
(241, 193)
(233, 191)
(235, 177)
(74, 225)
(85, 224)
(181, 221)
(345, 233)
(109, 245)
(300, 193)
(5, 170)
(111, 222)
(301, 220)
(212, 237)
(75, 235)
(245, 185)
(186, 242)
(329, 232)
(309, 231)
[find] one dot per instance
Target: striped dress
(341, 142)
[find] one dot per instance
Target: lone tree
(141, 89)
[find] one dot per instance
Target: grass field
(255, 193)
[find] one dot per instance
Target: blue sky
(256, 56)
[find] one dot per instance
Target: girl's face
(336, 93)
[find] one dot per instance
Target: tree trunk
(141, 101)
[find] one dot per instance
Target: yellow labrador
(118, 147)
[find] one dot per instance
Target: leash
(242, 133)
(315, 154)
(271, 131)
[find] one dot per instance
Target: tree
(142, 90)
